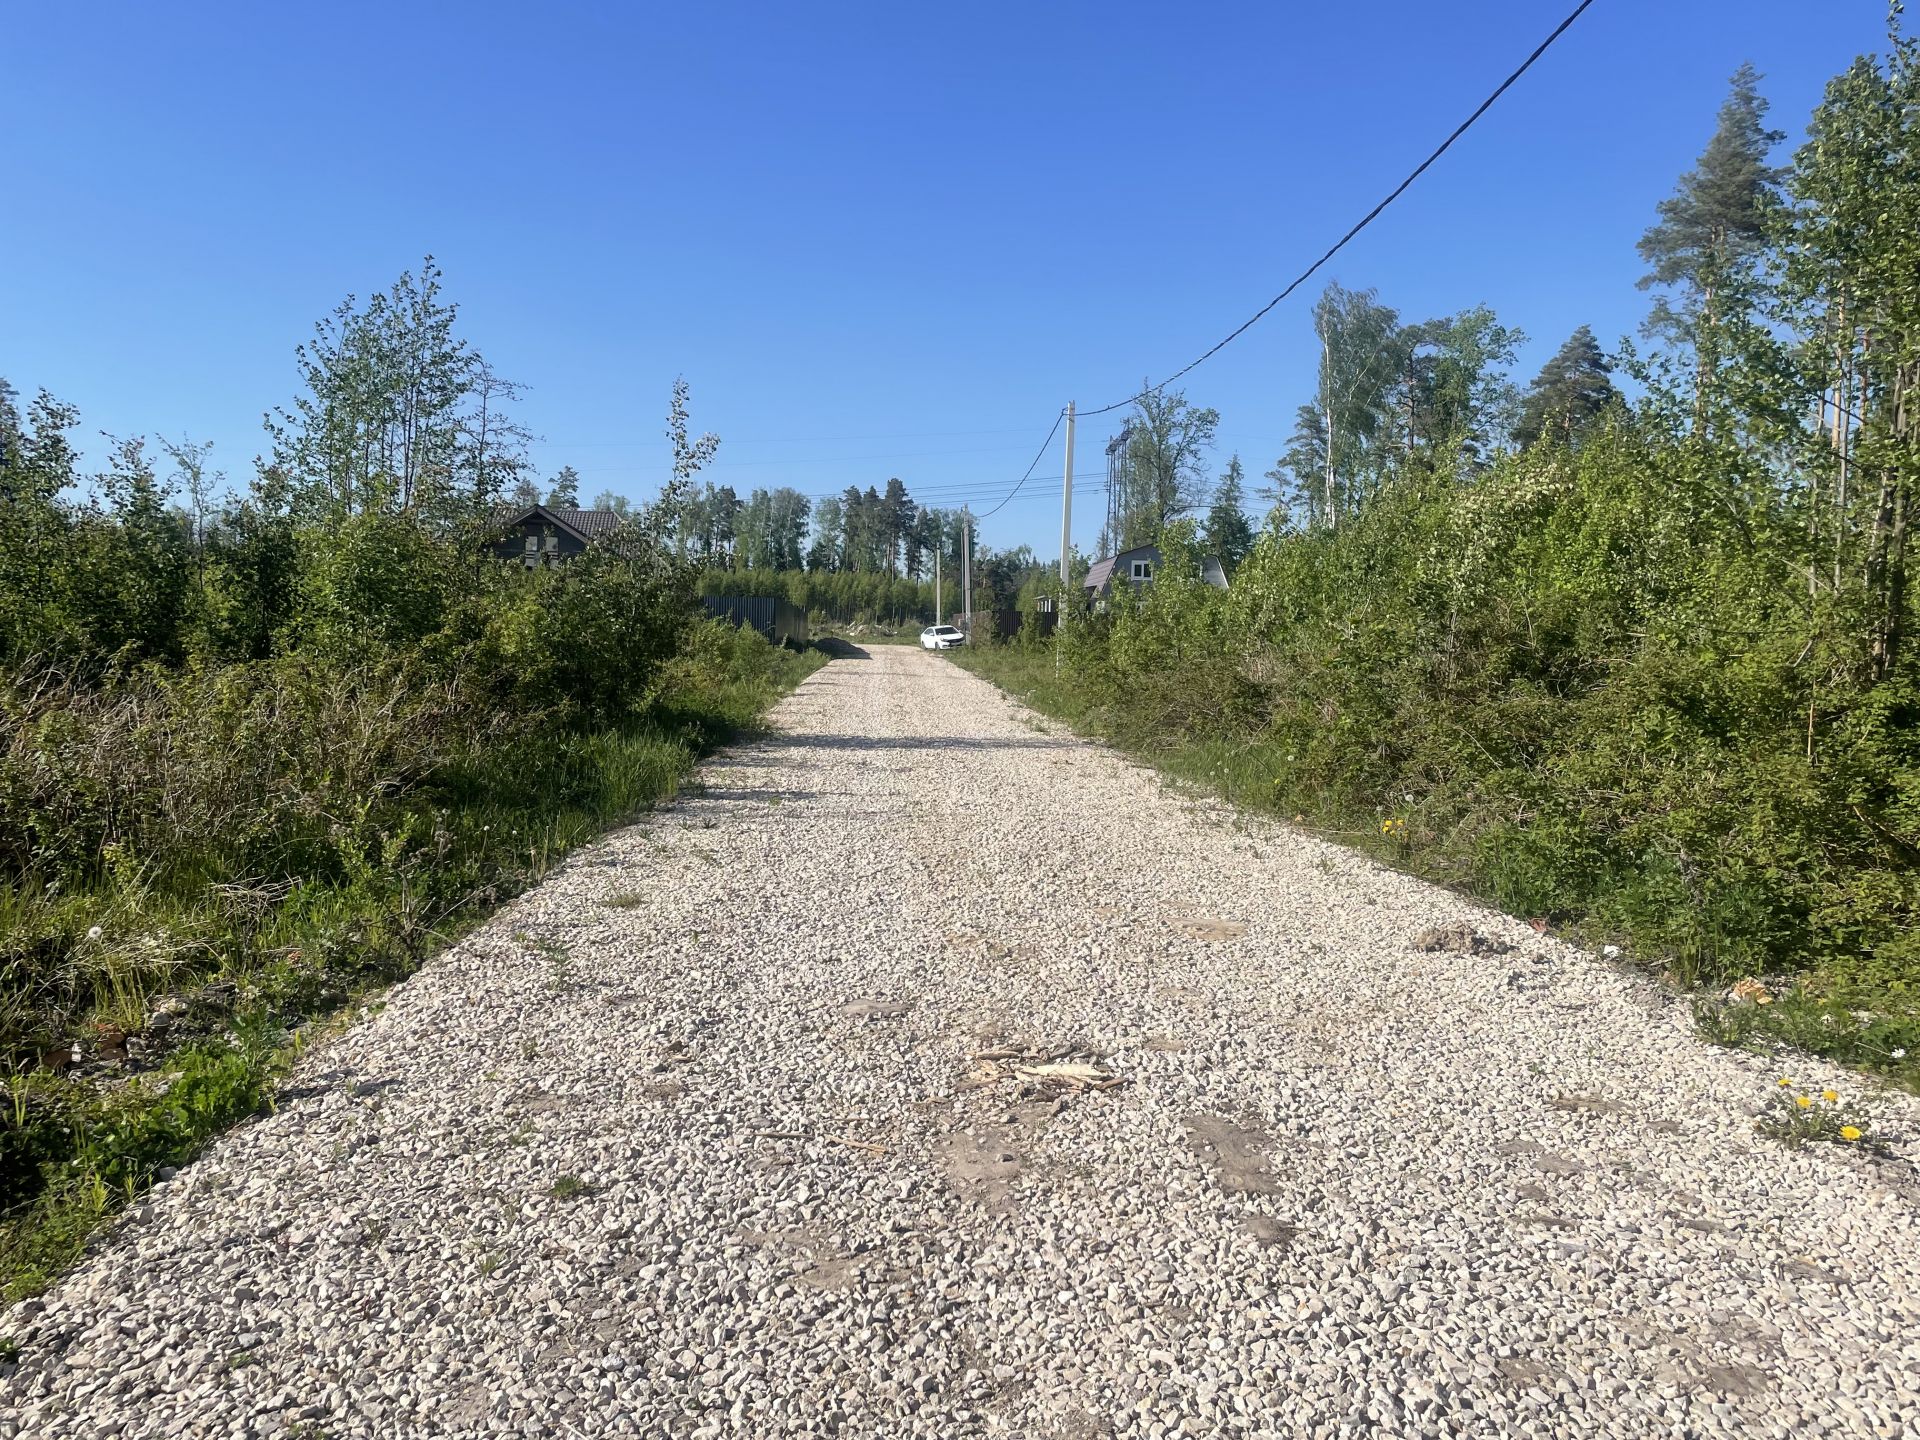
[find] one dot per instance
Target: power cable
(638, 441)
(1045, 445)
(1365, 220)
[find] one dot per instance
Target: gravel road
(722, 1131)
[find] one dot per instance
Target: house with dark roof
(1136, 567)
(536, 535)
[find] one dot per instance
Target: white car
(941, 637)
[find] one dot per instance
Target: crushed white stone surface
(739, 1125)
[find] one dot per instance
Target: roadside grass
(1878, 1033)
(160, 1005)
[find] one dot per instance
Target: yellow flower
(1763, 999)
(1849, 1132)
(1803, 1102)
(1785, 1081)
(1832, 1097)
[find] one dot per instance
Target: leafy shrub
(1578, 686)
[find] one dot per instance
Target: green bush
(1576, 686)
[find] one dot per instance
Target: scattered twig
(1048, 1068)
(1071, 1076)
(834, 1139)
(867, 1145)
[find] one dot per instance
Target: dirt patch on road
(1272, 1234)
(983, 1167)
(1236, 1152)
(985, 1162)
(1205, 927)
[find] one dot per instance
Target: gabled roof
(1100, 573)
(590, 523)
(585, 526)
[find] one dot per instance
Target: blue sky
(877, 239)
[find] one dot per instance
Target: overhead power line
(795, 464)
(1044, 446)
(1365, 220)
(638, 442)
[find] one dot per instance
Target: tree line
(1393, 400)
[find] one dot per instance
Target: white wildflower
(94, 933)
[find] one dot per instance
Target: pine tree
(853, 530)
(898, 512)
(873, 531)
(1228, 533)
(564, 492)
(1713, 226)
(1297, 475)
(723, 522)
(1570, 393)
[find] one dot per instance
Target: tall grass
(194, 863)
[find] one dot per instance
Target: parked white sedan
(941, 637)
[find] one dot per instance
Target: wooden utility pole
(966, 571)
(1066, 507)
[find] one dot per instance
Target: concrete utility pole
(1066, 509)
(966, 570)
(936, 584)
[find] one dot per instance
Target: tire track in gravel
(690, 1141)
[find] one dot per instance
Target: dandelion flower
(1832, 1097)
(1785, 1081)
(1805, 1102)
(1849, 1132)
(93, 932)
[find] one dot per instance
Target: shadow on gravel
(836, 648)
(763, 795)
(917, 742)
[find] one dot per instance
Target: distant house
(1136, 567)
(535, 535)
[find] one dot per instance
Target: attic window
(1143, 570)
